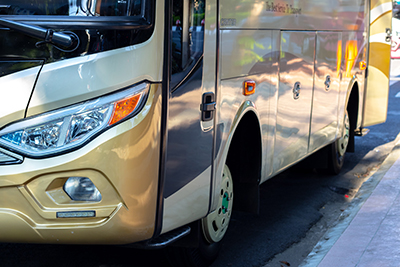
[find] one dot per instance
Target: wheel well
(352, 109)
(244, 162)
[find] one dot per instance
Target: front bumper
(123, 164)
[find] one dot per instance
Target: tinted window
(101, 25)
(187, 35)
(87, 8)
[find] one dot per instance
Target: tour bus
(147, 122)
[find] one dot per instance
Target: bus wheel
(337, 149)
(216, 223)
(212, 230)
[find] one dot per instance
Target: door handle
(207, 106)
(327, 83)
(296, 90)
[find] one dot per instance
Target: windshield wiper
(47, 35)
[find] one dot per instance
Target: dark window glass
(87, 8)
(187, 36)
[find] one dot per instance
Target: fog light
(81, 189)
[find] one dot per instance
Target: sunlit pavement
(368, 231)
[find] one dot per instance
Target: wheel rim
(344, 140)
(216, 223)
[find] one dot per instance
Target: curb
(320, 250)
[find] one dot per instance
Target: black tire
(211, 231)
(336, 151)
(202, 256)
(335, 161)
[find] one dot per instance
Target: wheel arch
(244, 159)
(353, 109)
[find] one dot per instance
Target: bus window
(187, 36)
(100, 25)
(90, 8)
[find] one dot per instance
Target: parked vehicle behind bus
(148, 122)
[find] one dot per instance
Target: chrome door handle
(327, 83)
(296, 90)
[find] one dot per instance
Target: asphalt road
(297, 207)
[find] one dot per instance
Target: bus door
(190, 118)
(324, 121)
(377, 85)
(295, 97)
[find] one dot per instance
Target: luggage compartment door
(296, 65)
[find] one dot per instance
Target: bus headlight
(68, 128)
(81, 189)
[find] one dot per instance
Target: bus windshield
(74, 8)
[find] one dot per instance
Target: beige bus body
(32, 192)
(317, 82)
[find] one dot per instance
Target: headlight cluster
(63, 129)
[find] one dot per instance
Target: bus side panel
(246, 55)
(326, 89)
(270, 132)
(295, 97)
(291, 14)
(377, 87)
(245, 52)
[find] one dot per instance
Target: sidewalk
(368, 233)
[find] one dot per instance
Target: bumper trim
(164, 239)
